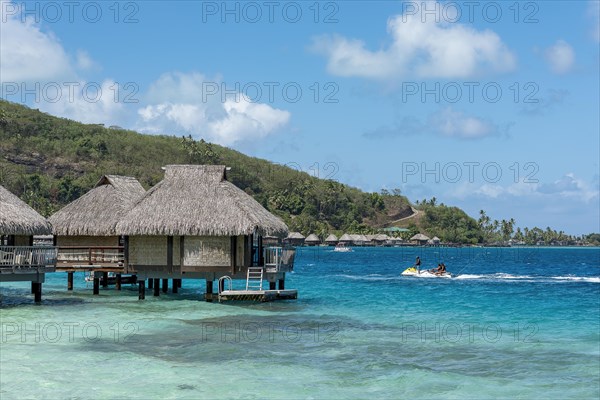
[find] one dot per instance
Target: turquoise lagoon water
(514, 323)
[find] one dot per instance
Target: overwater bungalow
(84, 230)
(345, 239)
(294, 239)
(331, 240)
(194, 224)
(312, 240)
(419, 239)
(20, 260)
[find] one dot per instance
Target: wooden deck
(255, 295)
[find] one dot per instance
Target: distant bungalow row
(382, 239)
(194, 224)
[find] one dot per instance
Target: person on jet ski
(418, 264)
(441, 269)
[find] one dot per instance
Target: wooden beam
(37, 295)
(169, 254)
(233, 253)
(69, 280)
(181, 253)
(126, 253)
(118, 282)
(105, 279)
(165, 285)
(157, 287)
(96, 284)
(142, 290)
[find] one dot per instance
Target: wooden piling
(209, 290)
(282, 284)
(118, 282)
(96, 285)
(175, 285)
(272, 285)
(165, 285)
(142, 290)
(105, 280)
(150, 283)
(33, 287)
(37, 294)
(69, 280)
(157, 287)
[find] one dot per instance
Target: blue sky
(484, 105)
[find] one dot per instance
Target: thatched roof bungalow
(194, 222)
(419, 238)
(19, 259)
(85, 228)
(312, 240)
(97, 212)
(345, 239)
(294, 239)
(18, 221)
(331, 240)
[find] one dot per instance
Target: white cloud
(446, 122)
(568, 187)
(187, 104)
(452, 123)
(26, 53)
(420, 47)
(560, 57)
(89, 103)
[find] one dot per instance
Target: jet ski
(412, 271)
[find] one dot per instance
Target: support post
(33, 287)
(96, 284)
(282, 284)
(69, 280)
(118, 282)
(175, 285)
(209, 290)
(165, 285)
(141, 290)
(37, 295)
(272, 285)
(150, 283)
(105, 279)
(156, 287)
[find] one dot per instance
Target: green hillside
(50, 161)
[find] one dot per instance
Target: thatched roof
(331, 238)
(17, 218)
(295, 236)
(312, 238)
(346, 238)
(419, 237)
(97, 212)
(358, 238)
(435, 239)
(197, 200)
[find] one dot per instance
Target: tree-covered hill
(50, 161)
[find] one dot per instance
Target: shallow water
(518, 323)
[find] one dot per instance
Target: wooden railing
(25, 258)
(278, 259)
(91, 255)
